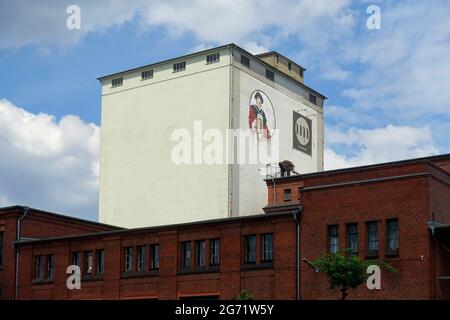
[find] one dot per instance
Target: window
(289, 66)
(333, 239)
(154, 263)
(372, 236)
(245, 61)
(392, 235)
(250, 249)
(301, 73)
(200, 248)
(76, 258)
(312, 99)
(117, 82)
(270, 75)
(50, 266)
(352, 237)
(215, 252)
(186, 255)
(287, 194)
(88, 262)
(212, 58)
(148, 74)
(180, 66)
(39, 267)
(1, 247)
(128, 259)
(142, 254)
(100, 262)
(267, 247)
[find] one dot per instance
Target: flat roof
(261, 216)
(230, 45)
(365, 167)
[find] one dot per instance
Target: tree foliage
(345, 270)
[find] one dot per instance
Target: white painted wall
(139, 184)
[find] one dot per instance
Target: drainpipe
(297, 215)
(18, 227)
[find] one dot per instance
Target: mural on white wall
(261, 116)
(302, 129)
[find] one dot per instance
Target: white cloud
(379, 145)
(48, 164)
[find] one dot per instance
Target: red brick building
(398, 212)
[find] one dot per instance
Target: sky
(388, 88)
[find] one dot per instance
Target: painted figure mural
(261, 118)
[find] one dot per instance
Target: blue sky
(388, 89)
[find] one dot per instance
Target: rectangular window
(39, 267)
(76, 259)
(1, 247)
(50, 266)
(392, 235)
(213, 58)
(301, 73)
(148, 74)
(200, 253)
(312, 99)
(154, 263)
(333, 239)
(287, 194)
(250, 249)
(270, 75)
(117, 82)
(245, 61)
(215, 252)
(352, 237)
(267, 247)
(142, 256)
(372, 236)
(186, 255)
(128, 259)
(289, 66)
(100, 262)
(180, 66)
(88, 262)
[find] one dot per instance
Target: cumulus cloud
(48, 164)
(369, 146)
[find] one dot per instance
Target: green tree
(345, 270)
(244, 295)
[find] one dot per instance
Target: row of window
(199, 258)
(372, 238)
(147, 258)
(177, 67)
(266, 248)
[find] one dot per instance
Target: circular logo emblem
(302, 131)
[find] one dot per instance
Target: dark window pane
(50, 266)
(267, 247)
(250, 249)
(76, 259)
(155, 257)
(186, 255)
(245, 61)
(333, 239)
(392, 228)
(88, 262)
(200, 253)
(215, 252)
(142, 256)
(287, 194)
(128, 259)
(39, 267)
(372, 236)
(270, 75)
(352, 237)
(100, 261)
(312, 98)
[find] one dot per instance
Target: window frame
(352, 234)
(390, 251)
(179, 66)
(154, 254)
(213, 58)
(250, 249)
(116, 82)
(200, 253)
(88, 263)
(149, 71)
(141, 258)
(287, 194)
(264, 258)
(331, 236)
(214, 245)
(50, 267)
(186, 255)
(100, 262)
(245, 61)
(370, 251)
(128, 259)
(270, 75)
(39, 265)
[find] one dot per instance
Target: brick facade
(414, 193)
